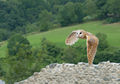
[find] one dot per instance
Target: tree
(46, 22)
(79, 12)
(19, 59)
(67, 14)
(101, 9)
(4, 34)
(15, 43)
(48, 53)
(103, 44)
(90, 7)
(113, 8)
(105, 51)
(70, 13)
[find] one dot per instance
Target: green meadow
(59, 35)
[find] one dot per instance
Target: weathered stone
(81, 73)
(52, 65)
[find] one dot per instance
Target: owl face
(80, 34)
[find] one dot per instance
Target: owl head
(74, 36)
(81, 34)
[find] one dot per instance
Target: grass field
(59, 35)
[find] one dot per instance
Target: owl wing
(91, 49)
(71, 39)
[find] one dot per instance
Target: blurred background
(33, 33)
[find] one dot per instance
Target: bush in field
(103, 44)
(112, 55)
(116, 56)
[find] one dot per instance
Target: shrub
(19, 59)
(4, 34)
(103, 44)
(15, 43)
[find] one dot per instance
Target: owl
(92, 42)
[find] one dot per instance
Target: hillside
(59, 35)
(81, 73)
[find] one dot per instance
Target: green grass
(59, 35)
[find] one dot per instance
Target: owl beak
(77, 35)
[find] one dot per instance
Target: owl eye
(80, 32)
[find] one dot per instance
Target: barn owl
(92, 42)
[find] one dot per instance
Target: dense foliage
(19, 59)
(26, 16)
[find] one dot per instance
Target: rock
(81, 73)
(52, 65)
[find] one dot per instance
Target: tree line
(25, 16)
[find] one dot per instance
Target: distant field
(59, 35)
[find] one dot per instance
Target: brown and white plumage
(92, 42)
(71, 39)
